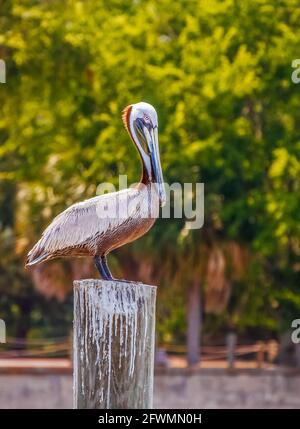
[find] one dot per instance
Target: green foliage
(218, 73)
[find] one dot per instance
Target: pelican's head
(141, 122)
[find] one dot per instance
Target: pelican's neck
(147, 176)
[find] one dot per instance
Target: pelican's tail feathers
(33, 258)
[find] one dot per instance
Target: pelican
(101, 224)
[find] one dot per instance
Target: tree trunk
(194, 323)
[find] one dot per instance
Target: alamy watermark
(2, 71)
(296, 73)
(2, 331)
(295, 337)
(182, 201)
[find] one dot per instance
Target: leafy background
(219, 74)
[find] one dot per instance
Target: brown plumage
(96, 226)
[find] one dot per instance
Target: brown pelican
(96, 226)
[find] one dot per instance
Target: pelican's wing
(82, 223)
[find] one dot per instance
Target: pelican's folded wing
(81, 223)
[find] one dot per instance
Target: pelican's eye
(146, 118)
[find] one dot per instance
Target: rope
(62, 345)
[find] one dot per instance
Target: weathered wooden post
(231, 340)
(114, 337)
(260, 354)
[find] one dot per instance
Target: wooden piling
(231, 340)
(114, 337)
(260, 354)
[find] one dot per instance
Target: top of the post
(111, 283)
(113, 296)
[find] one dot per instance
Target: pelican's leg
(108, 273)
(102, 271)
(106, 269)
(101, 264)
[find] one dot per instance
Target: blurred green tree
(219, 74)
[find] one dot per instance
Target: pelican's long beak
(152, 140)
